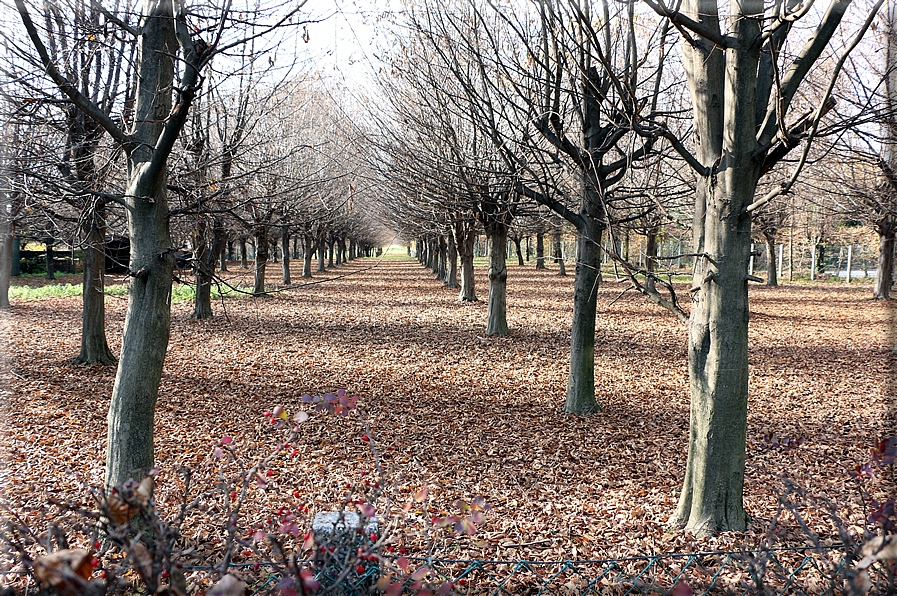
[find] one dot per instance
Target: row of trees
(565, 113)
(578, 107)
(165, 123)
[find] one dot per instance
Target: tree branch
(679, 19)
(66, 86)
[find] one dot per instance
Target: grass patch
(179, 292)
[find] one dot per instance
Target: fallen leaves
(454, 417)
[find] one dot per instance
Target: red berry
(365, 438)
(247, 553)
(294, 452)
(272, 420)
(403, 550)
(360, 569)
(267, 414)
(269, 473)
(94, 562)
(297, 494)
(374, 537)
(103, 574)
(233, 495)
(96, 545)
(165, 574)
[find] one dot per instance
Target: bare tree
(169, 63)
(743, 84)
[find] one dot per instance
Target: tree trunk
(516, 240)
(223, 259)
(581, 378)
(94, 347)
(724, 92)
(203, 262)
(451, 278)
(129, 444)
(285, 249)
(308, 249)
(443, 257)
(885, 276)
(496, 316)
(7, 238)
(244, 258)
(261, 260)
(322, 255)
(651, 259)
(51, 269)
(434, 255)
(772, 277)
(330, 244)
(559, 254)
(464, 240)
(540, 250)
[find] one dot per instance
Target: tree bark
(244, 258)
(559, 254)
(285, 260)
(451, 278)
(581, 378)
(322, 254)
(442, 268)
(465, 236)
(7, 238)
(772, 277)
(48, 260)
(885, 276)
(129, 451)
(496, 316)
(651, 259)
(261, 260)
(94, 347)
(540, 250)
(516, 240)
(203, 263)
(308, 249)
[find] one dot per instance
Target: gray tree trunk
(261, 260)
(203, 263)
(559, 254)
(581, 379)
(885, 276)
(129, 451)
(465, 236)
(322, 255)
(451, 278)
(651, 259)
(7, 238)
(285, 249)
(308, 248)
(516, 241)
(496, 316)
(244, 257)
(772, 277)
(442, 267)
(540, 250)
(48, 260)
(94, 347)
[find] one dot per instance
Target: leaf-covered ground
(462, 414)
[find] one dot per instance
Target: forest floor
(461, 414)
